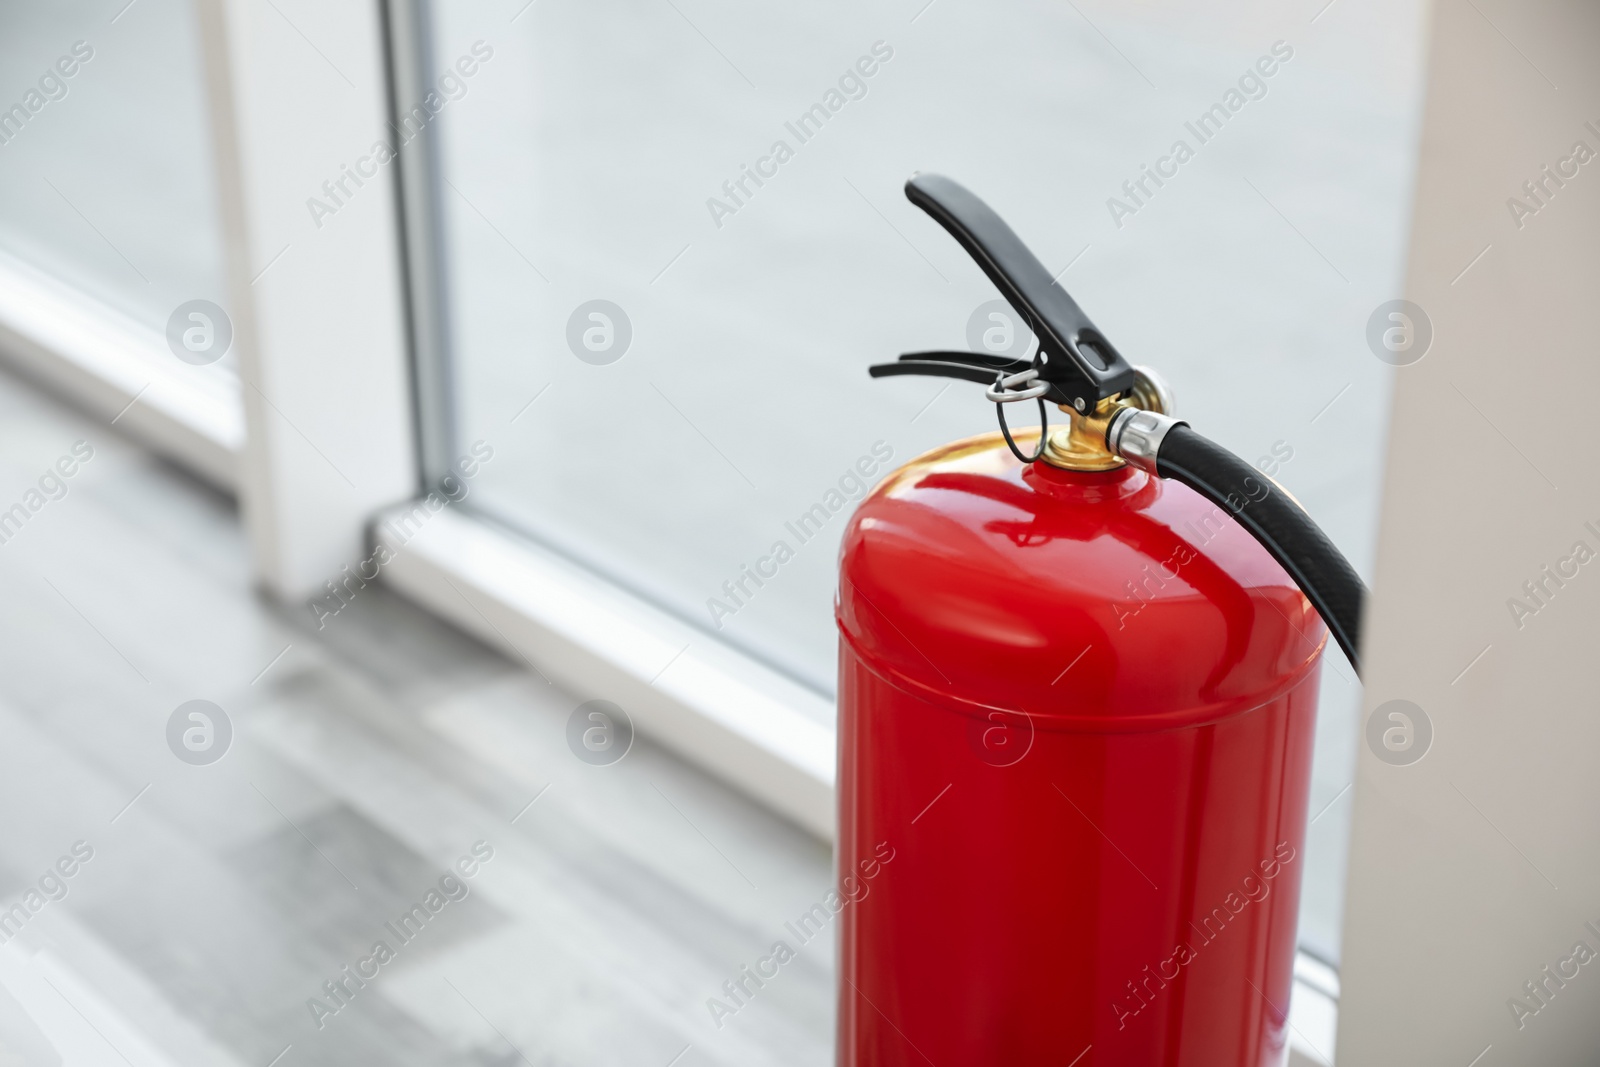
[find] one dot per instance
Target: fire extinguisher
(1077, 692)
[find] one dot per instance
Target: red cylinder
(1075, 719)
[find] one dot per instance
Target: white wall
(1476, 866)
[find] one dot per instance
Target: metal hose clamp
(1136, 436)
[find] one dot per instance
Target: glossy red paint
(1079, 709)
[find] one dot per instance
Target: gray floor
(366, 759)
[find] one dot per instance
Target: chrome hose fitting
(1136, 436)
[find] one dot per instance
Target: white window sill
(102, 360)
(743, 722)
(1313, 1013)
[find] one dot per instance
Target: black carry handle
(968, 366)
(935, 368)
(1076, 358)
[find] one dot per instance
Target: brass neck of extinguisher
(1081, 445)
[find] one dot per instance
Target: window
(109, 235)
(105, 163)
(672, 237)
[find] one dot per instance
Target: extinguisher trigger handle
(1074, 356)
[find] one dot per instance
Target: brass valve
(1081, 444)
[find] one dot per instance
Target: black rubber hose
(1280, 524)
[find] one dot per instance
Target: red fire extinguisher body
(1076, 708)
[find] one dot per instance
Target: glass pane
(727, 179)
(105, 160)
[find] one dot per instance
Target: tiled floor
(367, 760)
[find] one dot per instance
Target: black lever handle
(1073, 355)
